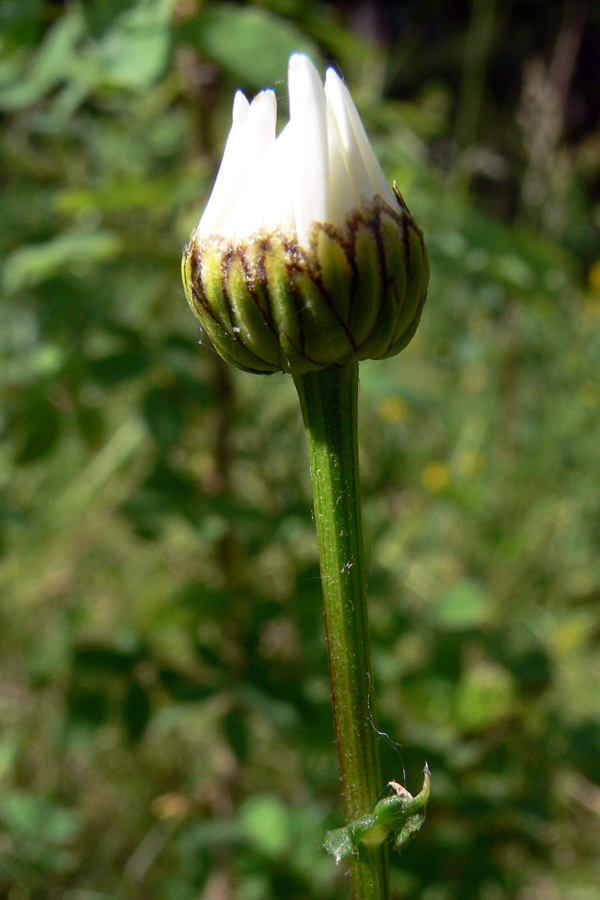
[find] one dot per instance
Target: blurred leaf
(166, 490)
(208, 655)
(484, 696)
(203, 599)
(584, 741)
(40, 428)
(88, 706)
(235, 727)
(21, 24)
(39, 817)
(464, 606)
(124, 194)
(281, 712)
(29, 266)
(100, 15)
(163, 414)
(106, 659)
(532, 668)
(184, 687)
(136, 710)
(265, 822)
(134, 52)
(9, 749)
(196, 389)
(117, 367)
(91, 424)
(251, 44)
(52, 64)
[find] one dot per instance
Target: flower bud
(304, 257)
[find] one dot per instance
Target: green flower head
(304, 258)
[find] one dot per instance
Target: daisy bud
(304, 257)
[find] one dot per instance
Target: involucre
(304, 257)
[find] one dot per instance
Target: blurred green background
(165, 723)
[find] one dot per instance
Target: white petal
(246, 216)
(260, 134)
(355, 139)
(362, 185)
(342, 197)
(309, 126)
(230, 177)
(278, 178)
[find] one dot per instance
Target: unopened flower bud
(304, 257)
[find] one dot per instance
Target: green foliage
(165, 722)
(250, 43)
(400, 816)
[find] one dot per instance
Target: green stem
(329, 401)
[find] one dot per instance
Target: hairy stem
(329, 406)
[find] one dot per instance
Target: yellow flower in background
(595, 277)
(393, 409)
(435, 476)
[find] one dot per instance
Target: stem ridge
(329, 401)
